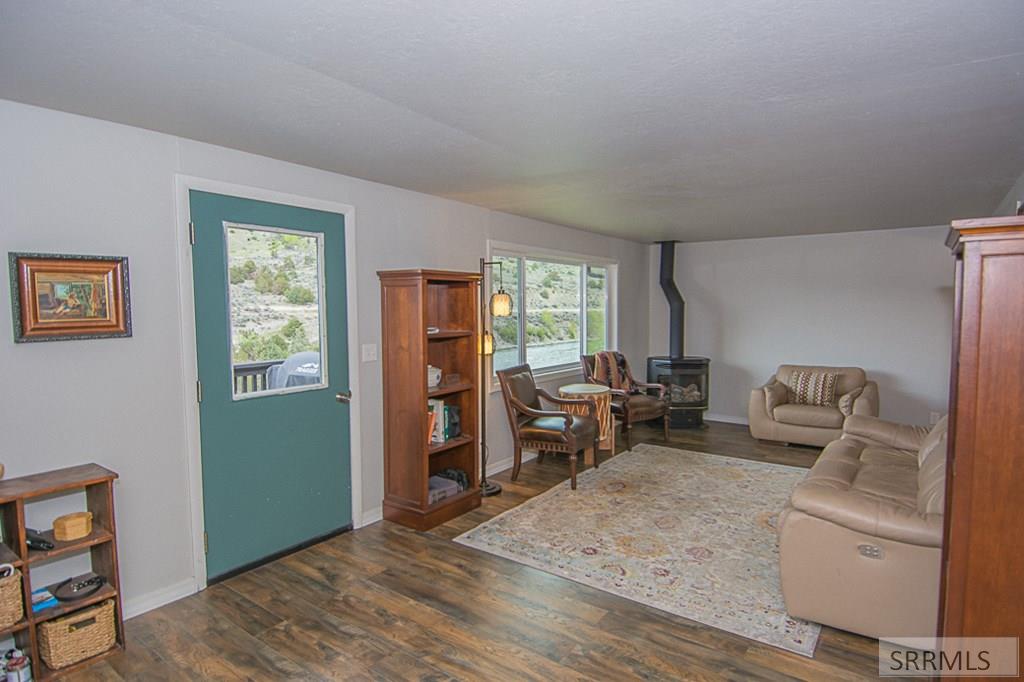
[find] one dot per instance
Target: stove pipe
(676, 304)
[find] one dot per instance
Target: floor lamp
(500, 306)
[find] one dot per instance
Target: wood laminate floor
(388, 603)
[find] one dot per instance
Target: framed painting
(57, 297)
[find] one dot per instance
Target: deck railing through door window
(252, 376)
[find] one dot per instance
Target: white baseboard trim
(506, 464)
(136, 606)
(728, 419)
(370, 516)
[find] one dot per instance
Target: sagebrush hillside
(273, 281)
(552, 304)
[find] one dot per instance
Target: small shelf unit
(98, 485)
(412, 301)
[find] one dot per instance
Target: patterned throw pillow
(813, 388)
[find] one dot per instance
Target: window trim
(497, 249)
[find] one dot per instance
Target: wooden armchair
(632, 407)
(535, 428)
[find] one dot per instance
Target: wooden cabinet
(412, 301)
(101, 544)
(983, 562)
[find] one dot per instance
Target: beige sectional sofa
(860, 541)
(772, 416)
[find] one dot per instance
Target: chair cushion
(642, 407)
(855, 486)
(549, 429)
(872, 454)
(809, 415)
(522, 386)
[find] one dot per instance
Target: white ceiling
(649, 119)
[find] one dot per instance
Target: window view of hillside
(274, 308)
(552, 313)
(554, 306)
(597, 307)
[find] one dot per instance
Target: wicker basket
(12, 608)
(68, 640)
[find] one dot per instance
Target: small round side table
(601, 396)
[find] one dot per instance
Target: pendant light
(501, 300)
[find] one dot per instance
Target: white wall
(881, 300)
(78, 185)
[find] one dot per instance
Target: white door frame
(189, 364)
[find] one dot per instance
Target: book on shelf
(431, 419)
(436, 408)
(445, 421)
(42, 599)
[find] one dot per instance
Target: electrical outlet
(933, 418)
(369, 352)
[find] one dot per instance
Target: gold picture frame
(60, 297)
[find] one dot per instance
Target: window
(597, 308)
(276, 309)
(560, 311)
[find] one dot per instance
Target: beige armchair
(773, 416)
(860, 542)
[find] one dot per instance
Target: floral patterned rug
(685, 532)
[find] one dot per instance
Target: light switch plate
(369, 352)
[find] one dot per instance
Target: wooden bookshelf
(412, 301)
(98, 485)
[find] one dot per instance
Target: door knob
(344, 397)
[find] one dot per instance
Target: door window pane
(275, 286)
(597, 307)
(552, 314)
(506, 329)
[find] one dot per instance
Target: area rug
(685, 532)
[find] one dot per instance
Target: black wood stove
(685, 376)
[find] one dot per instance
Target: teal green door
(272, 344)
